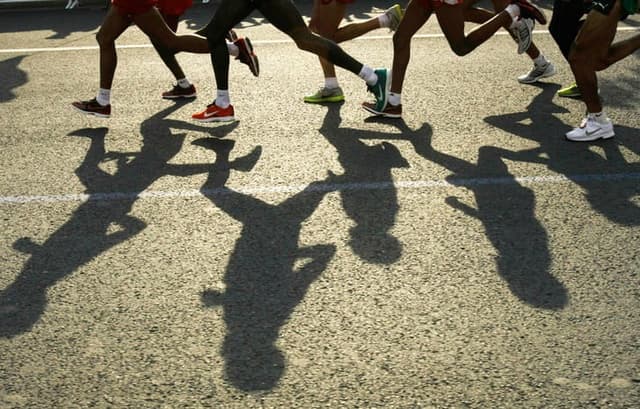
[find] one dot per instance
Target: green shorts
(630, 6)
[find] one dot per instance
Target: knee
(579, 57)
(304, 39)
(400, 42)
(103, 39)
(321, 29)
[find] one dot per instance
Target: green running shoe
(572, 91)
(324, 95)
(380, 89)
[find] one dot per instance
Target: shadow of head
(375, 247)
(12, 77)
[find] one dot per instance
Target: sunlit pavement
(312, 256)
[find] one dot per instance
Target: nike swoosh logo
(210, 114)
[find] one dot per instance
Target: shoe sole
(604, 137)
(324, 100)
(82, 111)
(216, 119)
(570, 95)
(551, 74)
(179, 96)
(254, 65)
(382, 114)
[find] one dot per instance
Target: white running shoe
(522, 30)
(590, 130)
(538, 72)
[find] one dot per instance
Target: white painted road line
(326, 187)
(254, 42)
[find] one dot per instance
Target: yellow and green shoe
(325, 95)
(572, 91)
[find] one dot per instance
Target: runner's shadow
(507, 211)
(586, 164)
(99, 223)
(62, 22)
(369, 196)
(12, 78)
(268, 273)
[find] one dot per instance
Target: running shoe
(522, 31)
(538, 72)
(528, 10)
(380, 89)
(572, 91)
(324, 95)
(247, 56)
(590, 130)
(179, 92)
(92, 107)
(394, 13)
(390, 111)
(214, 113)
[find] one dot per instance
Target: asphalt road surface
(311, 256)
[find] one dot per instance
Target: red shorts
(434, 4)
(337, 1)
(174, 7)
(132, 7)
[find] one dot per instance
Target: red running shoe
(528, 10)
(92, 107)
(214, 113)
(179, 92)
(247, 56)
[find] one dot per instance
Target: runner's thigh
(283, 14)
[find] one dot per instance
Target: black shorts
(605, 7)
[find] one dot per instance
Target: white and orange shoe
(214, 113)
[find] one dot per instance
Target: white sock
(384, 20)
(184, 83)
(222, 98)
(234, 51)
(104, 96)
(331, 82)
(367, 74)
(514, 12)
(540, 60)
(598, 116)
(394, 99)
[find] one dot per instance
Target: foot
(92, 107)
(214, 113)
(538, 72)
(394, 13)
(179, 92)
(572, 91)
(324, 95)
(522, 30)
(247, 56)
(390, 111)
(380, 89)
(528, 10)
(591, 130)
